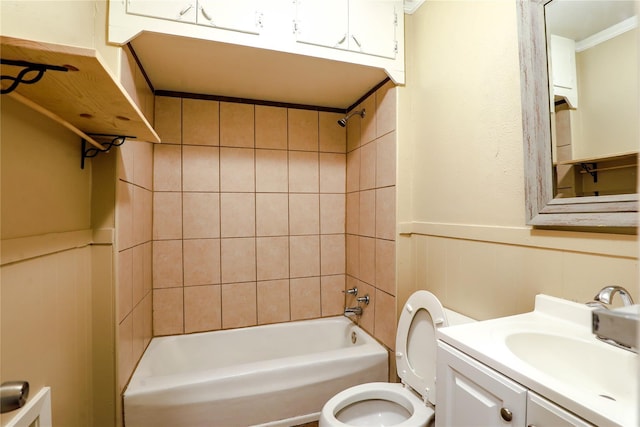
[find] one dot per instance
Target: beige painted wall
(460, 175)
(607, 114)
(51, 323)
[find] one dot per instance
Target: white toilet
(410, 404)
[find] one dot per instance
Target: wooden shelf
(87, 96)
(618, 156)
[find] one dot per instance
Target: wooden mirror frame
(542, 209)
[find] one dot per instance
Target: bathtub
(271, 375)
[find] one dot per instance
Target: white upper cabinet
(243, 16)
(366, 26)
(175, 10)
(563, 69)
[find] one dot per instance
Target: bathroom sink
(589, 365)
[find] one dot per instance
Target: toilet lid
(416, 342)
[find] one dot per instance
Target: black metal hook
(28, 67)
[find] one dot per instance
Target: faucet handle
(352, 291)
(364, 299)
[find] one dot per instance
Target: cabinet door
(543, 413)
(323, 22)
(471, 394)
(372, 26)
(241, 16)
(175, 10)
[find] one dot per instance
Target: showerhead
(343, 121)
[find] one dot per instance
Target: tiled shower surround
(255, 218)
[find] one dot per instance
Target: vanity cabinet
(365, 26)
(470, 393)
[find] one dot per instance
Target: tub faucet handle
(353, 291)
(364, 299)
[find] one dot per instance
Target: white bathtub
(276, 375)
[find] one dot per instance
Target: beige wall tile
(331, 295)
(367, 265)
(272, 214)
(168, 117)
(125, 352)
(272, 258)
(237, 215)
(367, 221)
(303, 172)
(305, 298)
(200, 122)
(124, 215)
(273, 301)
(201, 215)
(332, 254)
(137, 278)
(201, 262)
(332, 213)
(386, 160)
(138, 336)
(125, 170)
(167, 263)
(332, 173)
(385, 319)
(140, 203)
(353, 213)
(386, 109)
(354, 126)
(333, 137)
(304, 214)
(271, 127)
(353, 255)
(272, 174)
(238, 260)
(239, 305)
(353, 171)
(147, 271)
(125, 283)
(368, 166)
(200, 168)
(202, 308)
(303, 130)
(168, 317)
(368, 122)
(367, 320)
(143, 164)
(386, 213)
(237, 169)
(147, 311)
(167, 215)
(236, 125)
(386, 266)
(304, 256)
(147, 220)
(167, 167)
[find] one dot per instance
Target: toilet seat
(394, 393)
(415, 358)
(416, 366)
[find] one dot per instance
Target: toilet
(412, 402)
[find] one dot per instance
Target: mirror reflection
(593, 78)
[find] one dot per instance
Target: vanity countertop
(553, 352)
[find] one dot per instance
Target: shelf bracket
(591, 169)
(27, 69)
(88, 152)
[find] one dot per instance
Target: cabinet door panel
(471, 394)
(543, 413)
(175, 10)
(323, 22)
(241, 16)
(372, 26)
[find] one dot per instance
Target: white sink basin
(592, 366)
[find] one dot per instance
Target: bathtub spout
(353, 311)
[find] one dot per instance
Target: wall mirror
(580, 137)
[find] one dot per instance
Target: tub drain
(354, 337)
(607, 397)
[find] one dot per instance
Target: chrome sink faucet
(606, 294)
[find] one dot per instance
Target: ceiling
(190, 65)
(579, 19)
